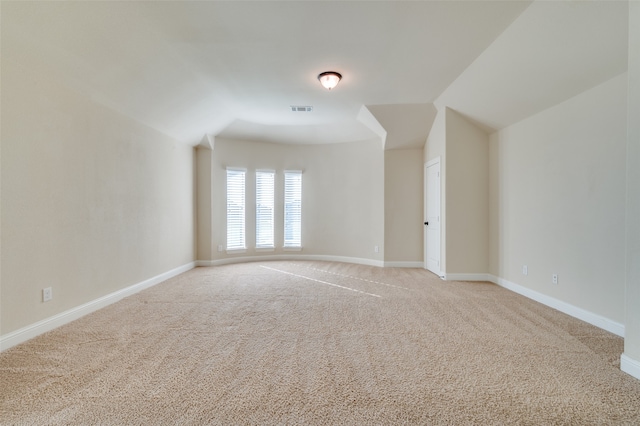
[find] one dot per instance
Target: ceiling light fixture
(329, 79)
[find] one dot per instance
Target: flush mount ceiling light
(329, 79)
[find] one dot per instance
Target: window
(265, 209)
(235, 209)
(292, 209)
(265, 200)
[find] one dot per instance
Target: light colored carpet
(319, 343)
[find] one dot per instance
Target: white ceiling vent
(297, 108)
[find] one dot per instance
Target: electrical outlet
(554, 278)
(376, 249)
(525, 270)
(220, 247)
(47, 294)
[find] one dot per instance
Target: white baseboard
(584, 315)
(357, 260)
(466, 277)
(22, 335)
(290, 256)
(630, 366)
(394, 264)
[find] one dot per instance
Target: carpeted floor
(319, 343)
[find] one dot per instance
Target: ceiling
(233, 69)
(551, 52)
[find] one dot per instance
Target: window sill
(292, 248)
(263, 249)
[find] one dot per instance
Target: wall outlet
(525, 270)
(376, 249)
(47, 294)
(554, 278)
(220, 247)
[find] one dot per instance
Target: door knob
(426, 223)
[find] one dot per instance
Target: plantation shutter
(293, 208)
(265, 200)
(235, 209)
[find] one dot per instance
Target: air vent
(297, 108)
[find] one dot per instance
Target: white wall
(404, 193)
(92, 202)
(558, 200)
(343, 195)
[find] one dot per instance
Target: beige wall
(467, 196)
(632, 322)
(343, 195)
(436, 141)
(204, 200)
(92, 202)
(558, 200)
(404, 193)
(463, 149)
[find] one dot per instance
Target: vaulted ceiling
(234, 68)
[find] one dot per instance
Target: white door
(432, 216)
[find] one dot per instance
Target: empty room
(319, 212)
